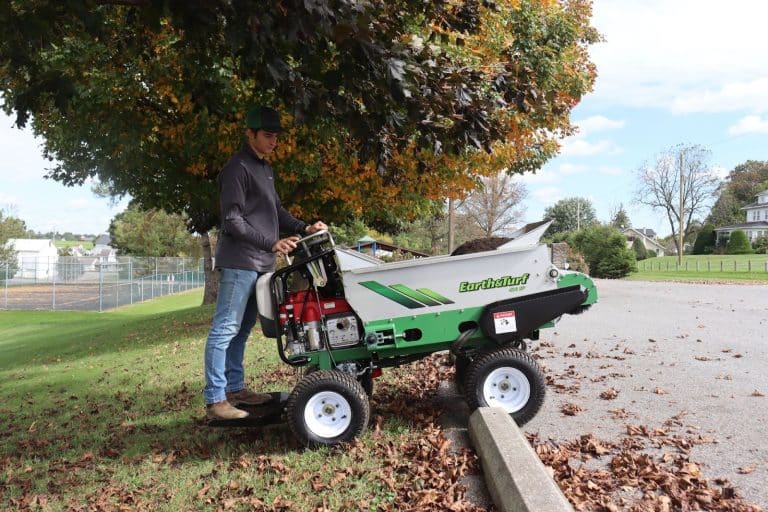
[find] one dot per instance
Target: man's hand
(314, 228)
(285, 245)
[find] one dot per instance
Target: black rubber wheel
(507, 378)
(365, 379)
(326, 408)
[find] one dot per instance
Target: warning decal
(504, 322)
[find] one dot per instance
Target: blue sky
(670, 72)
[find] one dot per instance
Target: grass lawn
(61, 244)
(104, 412)
(737, 268)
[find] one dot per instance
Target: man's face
(262, 141)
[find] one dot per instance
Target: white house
(36, 258)
(103, 251)
(756, 224)
(647, 237)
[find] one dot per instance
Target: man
(251, 221)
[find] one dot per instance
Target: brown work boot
(224, 411)
(247, 397)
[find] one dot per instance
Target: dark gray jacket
(251, 214)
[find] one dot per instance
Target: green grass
(61, 244)
(102, 411)
(742, 267)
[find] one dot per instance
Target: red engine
(302, 314)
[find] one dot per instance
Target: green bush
(738, 243)
(705, 240)
(760, 245)
(639, 249)
(606, 252)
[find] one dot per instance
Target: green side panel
(414, 295)
(435, 328)
(574, 278)
(392, 294)
(433, 295)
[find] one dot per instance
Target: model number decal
(491, 282)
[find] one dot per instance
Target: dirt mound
(480, 244)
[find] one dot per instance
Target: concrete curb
(514, 474)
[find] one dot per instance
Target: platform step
(258, 415)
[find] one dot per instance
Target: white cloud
(682, 54)
(749, 124)
(542, 177)
(597, 124)
(567, 168)
(548, 195)
(576, 146)
(749, 95)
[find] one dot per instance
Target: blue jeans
(233, 320)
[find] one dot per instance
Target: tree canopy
(744, 182)
(389, 105)
(494, 206)
(658, 184)
(10, 227)
(570, 214)
(152, 233)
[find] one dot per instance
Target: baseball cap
(263, 118)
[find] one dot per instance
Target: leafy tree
(760, 245)
(570, 214)
(659, 184)
(744, 182)
(605, 250)
(348, 233)
(639, 249)
(389, 105)
(738, 243)
(10, 227)
(152, 233)
(493, 206)
(620, 219)
(705, 240)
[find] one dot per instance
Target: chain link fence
(93, 284)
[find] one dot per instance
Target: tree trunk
(211, 277)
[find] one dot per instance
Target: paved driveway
(694, 350)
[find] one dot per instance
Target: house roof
(630, 232)
(102, 240)
(30, 244)
(391, 247)
(745, 225)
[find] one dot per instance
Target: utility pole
(451, 225)
(682, 206)
(578, 214)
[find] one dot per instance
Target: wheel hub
(327, 414)
(508, 388)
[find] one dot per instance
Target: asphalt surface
(697, 352)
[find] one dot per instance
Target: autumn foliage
(389, 105)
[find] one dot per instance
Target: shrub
(738, 243)
(760, 245)
(705, 240)
(576, 261)
(605, 250)
(639, 249)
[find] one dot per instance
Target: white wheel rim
(508, 388)
(327, 414)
